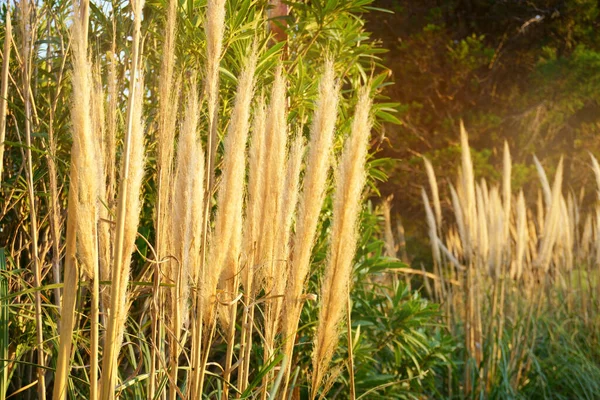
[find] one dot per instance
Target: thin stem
(350, 347)
(230, 342)
(4, 88)
(37, 273)
(110, 354)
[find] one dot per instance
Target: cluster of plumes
(257, 241)
(251, 241)
(496, 229)
(497, 247)
(90, 239)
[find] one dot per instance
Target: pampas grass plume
(349, 183)
(311, 199)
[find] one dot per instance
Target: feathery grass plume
(544, 182)
(187, 216)
(83, 197)
(186, 166)
(4, 87)
(88, 162)
(110, 138)
(167, 116)
(390, 245)
(448, 254)
(97, 122)
(311, 201)
(134, 200)
(437, 259)
(239, 128)
(256, 182)
(128, 209)
(566, 235)
(215, 27)
(274, 170)
(251, 233)
(195, 218)
(195, 182)
(459, 216)
(522, 237)
(541, 211)
(269, 275)
(289, 202)
(499, 230)
(109, 151)
(349, 182)
(551, 223)
(468, 189)
(167, 113)
(434, 193)
(482, 225)
(225, 242)
(596, 169)
(238, 134)
(506, 194)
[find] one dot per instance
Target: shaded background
(527, 72)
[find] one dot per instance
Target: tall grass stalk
(269, 277)
(166, 132)
(309, 205)
(215, 27)
(27, 31)
(4, 86)
(349, 182)
(237, 134)
(252, 229)
(187, 226)
(127, 217)
(87, 132)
